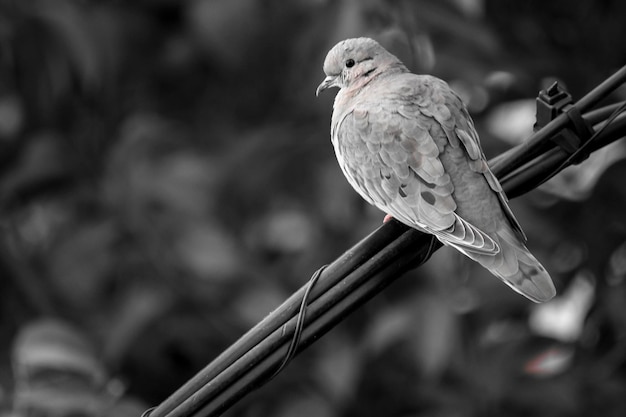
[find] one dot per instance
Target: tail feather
(517, 267)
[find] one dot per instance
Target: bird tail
(517, 267)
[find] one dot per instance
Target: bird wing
(460, 131)
(389, 150)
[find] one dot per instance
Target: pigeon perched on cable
(408, 145)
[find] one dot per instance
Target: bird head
(355, 62)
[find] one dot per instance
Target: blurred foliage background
(166, 180)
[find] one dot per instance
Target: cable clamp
(553, 101)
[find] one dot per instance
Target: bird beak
(330, 81)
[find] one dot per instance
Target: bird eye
(350, 63)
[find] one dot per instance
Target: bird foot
(387, 218)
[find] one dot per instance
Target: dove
(407, 144)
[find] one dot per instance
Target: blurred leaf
(513, 121)
(283, 231)
(51, 345)
(208, 252)
(226, 29)
(568, 256)
(57, 372)
(40, 223)
(11, 117)
(617, 265)
(563, 317)
(305, 406)
(71, 27)
(435, 339)
(471, 7)
(338, 368)
(426, 323)
(138, 308)
(256, 301)
(172, 348)
(339, 206)
(58, 50)
(388, 328)
(550, 362)
(126, 408)
(81, 262)
(150, 170)
(476, 97)
(43, 164)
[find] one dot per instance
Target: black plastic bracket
(553, 101)
(550, 103)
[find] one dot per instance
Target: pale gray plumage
(407, 145)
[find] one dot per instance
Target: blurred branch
(33, 295)
(369, 267)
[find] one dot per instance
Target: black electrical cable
(363, 271)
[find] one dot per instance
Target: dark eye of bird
(350, 63)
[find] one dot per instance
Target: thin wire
(295, 341)
(297, 333)
(431, 249)
(147, 412)
(596, 116)
(585, 145)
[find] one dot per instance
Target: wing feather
(402, 174)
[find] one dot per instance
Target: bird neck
(395, 67)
